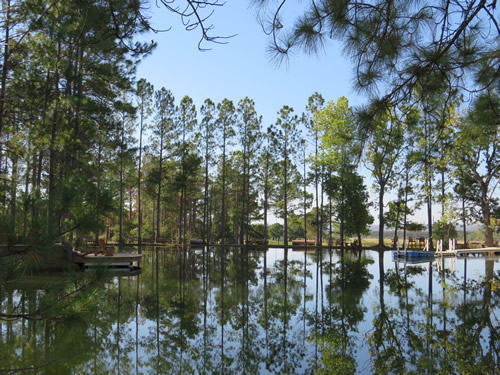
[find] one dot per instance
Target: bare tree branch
(195, 15)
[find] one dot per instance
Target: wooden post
(439, 246)
(452, 244)
(426, 247)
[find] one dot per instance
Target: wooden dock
(117, 260)
(466, 252)
(420, 254)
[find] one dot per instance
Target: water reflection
(229, 310)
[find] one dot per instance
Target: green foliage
(338, 133)
(352, 277)
(285, 140)
(415, 227)
(394, 216)
(67, 127)
(339, 153)
(401, 283)
(443, 231)
(334, 356)
(477, 159)
(276, 231)
(6, 232)
(357, 219)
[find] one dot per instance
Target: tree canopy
(71, 106)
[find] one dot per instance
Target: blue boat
(413, 254)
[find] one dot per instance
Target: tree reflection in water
(231, 310)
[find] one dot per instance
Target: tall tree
(306, 196)
(383, 151)
(435, 138)
(357, 215)
(249, 126)
(76, 88)
(315, 102)
(468, 192)
(265, 182)
(409, 167)
(339, 150)
(187, 180)
(477, 151)
(186, 122)
(162, 131)
(144, 94)
(226, 118)
(62, 67)
(126, 111)
(286, 139)
(207, 135)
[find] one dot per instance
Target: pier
(126, 261)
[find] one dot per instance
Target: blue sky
(242, 67)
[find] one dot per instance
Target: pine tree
(286, 139)
(162, 131)
(144, 94)
(249, 124)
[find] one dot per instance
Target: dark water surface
(260, 312)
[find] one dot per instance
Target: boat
(413, 254)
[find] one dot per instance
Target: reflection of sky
(299, 351)
(370, 300)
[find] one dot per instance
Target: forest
(89, 150)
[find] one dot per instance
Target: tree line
(86, 150)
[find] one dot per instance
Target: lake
(233, 311)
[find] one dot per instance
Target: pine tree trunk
(321, 209)
(305, 199)
(223, 203)
(485, 208)
(443, 200)
(5, 67)
(26, 189)
(427, 172)
(330, 219)
(381, 216)
(285, 200)
(120, 237)
(265, 209)
(139, 208)
(13, 197)
(243, 197)
(185, 216)
(405, 207)
(52, 145)
(159, 189)
(464, 220)
(316, 187)
(266, 195)
(99, 154)
(429, 214)
(205, 203)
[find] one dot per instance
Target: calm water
(274, 312)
